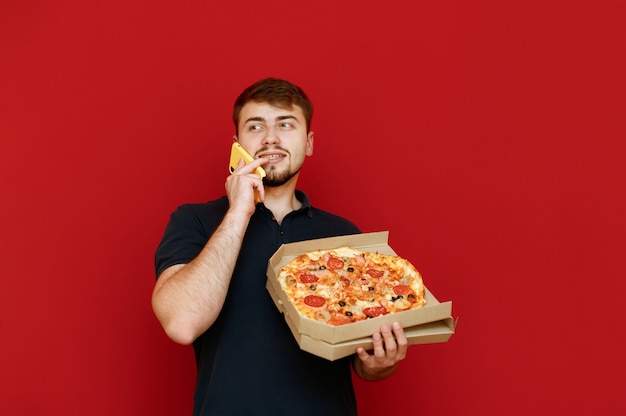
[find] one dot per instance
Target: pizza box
(430, 333)
(336, 341)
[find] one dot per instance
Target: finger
(250, 167)
(400, 339)
(389, 340)
(244, 168)
(362, 354)
(240, 164)
(378, 342)
(260, 189)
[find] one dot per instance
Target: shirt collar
(306, 203)
(305, 207)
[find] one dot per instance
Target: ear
(309, 143)
(235, 138)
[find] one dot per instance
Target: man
(211, 266)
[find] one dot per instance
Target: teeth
(271, 157)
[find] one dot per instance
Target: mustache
(268, 148)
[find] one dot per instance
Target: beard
(275, 178)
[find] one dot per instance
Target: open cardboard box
(429, 324)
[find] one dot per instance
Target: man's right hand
(242, 185)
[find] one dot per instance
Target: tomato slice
(314, 301)
(308, 278)
(401, 289)
(375, 311)
(334, 263)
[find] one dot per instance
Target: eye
(255, 127)
(285, 126)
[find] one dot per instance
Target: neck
(281, 200)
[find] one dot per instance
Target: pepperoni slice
(375, 311)
(308, 278)
(377, 274)
(334, 263)
(314, 301)
(401, 289)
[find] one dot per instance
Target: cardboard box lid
(373, 242)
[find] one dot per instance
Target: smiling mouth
(270, 157)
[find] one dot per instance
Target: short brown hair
(277, 92)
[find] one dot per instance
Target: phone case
(237, 152)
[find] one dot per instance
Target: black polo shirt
(248, 361)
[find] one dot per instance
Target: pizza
(346, 285)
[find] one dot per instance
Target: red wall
(487, 137)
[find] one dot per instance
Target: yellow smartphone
(237, 152)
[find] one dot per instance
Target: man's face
(277, 134)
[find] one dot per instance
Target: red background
(486, 136)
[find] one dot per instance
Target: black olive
(350, 269)
(410, 295)
(322, 267)
(395, 298)
(342, 303)
(348, 313)
(312, 287)
(370, 288)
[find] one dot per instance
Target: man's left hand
(390, 346)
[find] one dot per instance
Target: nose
(271, 137)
